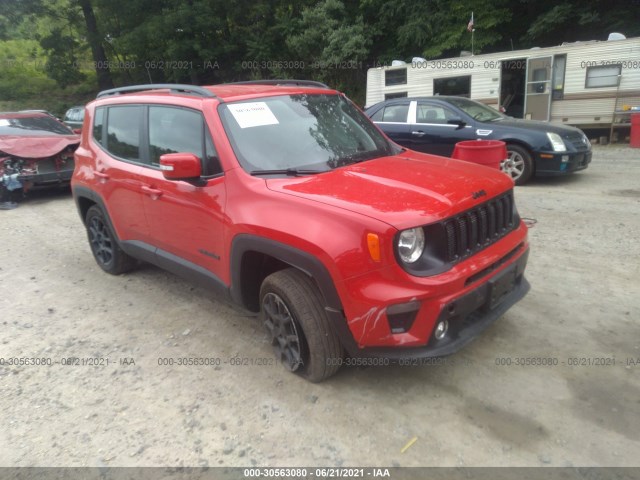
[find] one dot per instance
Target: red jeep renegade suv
(286, 198)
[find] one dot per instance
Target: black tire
(519, 164)
(293, 313)
(104, 245)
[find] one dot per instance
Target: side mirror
(180, 166)
(457, 121)
(77, 131)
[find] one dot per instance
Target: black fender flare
(301, 260)
(84, 192)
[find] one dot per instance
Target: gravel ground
(584, 307)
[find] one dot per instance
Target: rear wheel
(519, 164)
(293, 313)
(108, 254)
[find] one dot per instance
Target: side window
(377, 117)
(395, 77)
(603, 76)
(389, 96)
(557, 84)
(460, 86)
(98, 122)
(433, 114)
(174, 130)
(179, 130)
(123, 132)
(395, 113)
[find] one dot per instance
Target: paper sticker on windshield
(255, 114)
(4, 122)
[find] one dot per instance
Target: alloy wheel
(100, 240)
(283, 331)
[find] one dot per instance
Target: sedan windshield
(301, 134)
(476, 110)
(24, 125)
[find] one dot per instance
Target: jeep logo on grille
(478, 194)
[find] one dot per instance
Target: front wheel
(519, 164)
(293, 313)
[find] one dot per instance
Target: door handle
(101, 175)
(152, 192)
(419, 133)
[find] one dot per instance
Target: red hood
(36, 147)
(404, 191)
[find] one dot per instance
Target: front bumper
(50, 178)
(561, 163)
(468, 299)
(471, 316)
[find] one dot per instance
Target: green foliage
(62, 65)
(51, 47)
(22, 69)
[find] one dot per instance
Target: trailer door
(537, 102)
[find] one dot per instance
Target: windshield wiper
(360, 157)
(291, 172)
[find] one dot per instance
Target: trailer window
(395, 77)
(557, 84)
(389, 96)
(458, 86)
(603, 76)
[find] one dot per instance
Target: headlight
(586, 141)
(556, 142)
(411, 244)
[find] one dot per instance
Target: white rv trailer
(581, 83)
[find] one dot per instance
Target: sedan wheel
(519, 165)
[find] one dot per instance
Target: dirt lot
(584, 306)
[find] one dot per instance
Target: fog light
(565, 158)
(441, 330)
(401, 316)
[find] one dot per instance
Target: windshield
(476, 110)
(32, 126)
(301, 132)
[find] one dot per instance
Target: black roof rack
(176, 87)
(299, 83)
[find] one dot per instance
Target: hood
(36, 147)
(404, 191)
(535, 125)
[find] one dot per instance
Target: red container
(483, 152)
(635, 130)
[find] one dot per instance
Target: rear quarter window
(98, 123)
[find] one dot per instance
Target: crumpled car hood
(36, 147)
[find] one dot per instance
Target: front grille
(478, 228)
(576, 139)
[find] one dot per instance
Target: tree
(333, 44)
(95, 42)
(433, 28)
